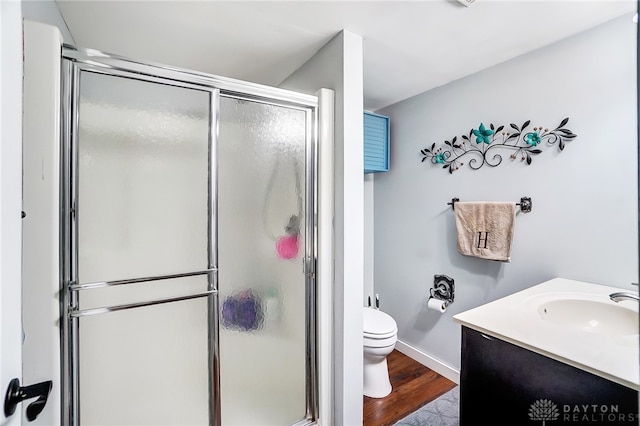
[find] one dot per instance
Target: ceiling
(409, 47)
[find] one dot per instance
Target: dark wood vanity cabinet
(501, 383)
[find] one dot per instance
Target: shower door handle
(16, 394)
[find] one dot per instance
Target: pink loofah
(287, 246)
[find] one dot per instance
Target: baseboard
(429, 361)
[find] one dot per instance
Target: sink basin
(614, 319)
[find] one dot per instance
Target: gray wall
(584, 220)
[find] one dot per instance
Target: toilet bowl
(380, 333)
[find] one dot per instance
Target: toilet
(380, 335)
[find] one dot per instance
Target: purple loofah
(242, 311)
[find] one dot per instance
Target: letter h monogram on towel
(485, 229)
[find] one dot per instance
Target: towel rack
(525, 204)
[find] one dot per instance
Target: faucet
(617, 297)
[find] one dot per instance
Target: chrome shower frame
(74, 62)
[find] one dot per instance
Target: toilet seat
(380, 343)
(377, 325)
(378, 336)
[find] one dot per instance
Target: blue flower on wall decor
(522, 145)
(532, 139)
(482, 134)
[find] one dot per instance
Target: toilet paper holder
(443, 289)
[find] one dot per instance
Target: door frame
(10, 202)
(40, 236)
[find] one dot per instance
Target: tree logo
(544, 410)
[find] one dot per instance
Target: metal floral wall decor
(483, 145)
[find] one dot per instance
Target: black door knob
(16, 394)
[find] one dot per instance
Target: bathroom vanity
(561, 352)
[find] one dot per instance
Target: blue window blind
(376, 143)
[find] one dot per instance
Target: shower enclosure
(188, 249)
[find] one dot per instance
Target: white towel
(485, 229)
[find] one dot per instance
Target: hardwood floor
(414, 385)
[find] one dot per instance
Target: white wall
(584, 220)
(47, 12)
(338, 66)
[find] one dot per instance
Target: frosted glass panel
(261, 173)
(143, 178)
(145, 366)
(142, 211)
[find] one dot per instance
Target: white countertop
(515, 319)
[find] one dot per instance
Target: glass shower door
(140, 270)
(188, 248)
(262, 241)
